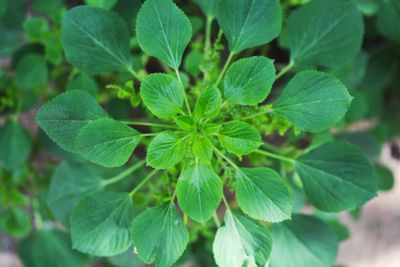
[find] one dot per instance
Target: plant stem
(226, 202)
(216, 219)
(143, 123)
(225, 158)
(256, 115)
(134, 73)
(275, 156)
(221, 75)
(284, 70)
(123, 174)
(207, 38)
(143, 182)
(148, 134)
(183, 87)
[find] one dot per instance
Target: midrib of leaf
(93, 38)
(155, 249)
(319, 38)
(244, 25)
(334, 176)
(172, 147)
(197, 182)
(258, 189)
(243, 243)
(163, 33)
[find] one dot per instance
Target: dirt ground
(375, 238)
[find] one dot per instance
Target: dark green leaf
(15, 222)
(303, 242)
(388, 22)
(159, 235)
(208, 6)
(242, 241)
(315, 33)
(199, 192)
(162, 94)
(69, 183)
(95, 40)
(163, 31)
(31, 71)
(249, 23)
(239, 138)
(336, 176)
(15, 145)
(262, 194)
(100, 223)
(385, 177)
(49, 248)
(65, 115)
(83, 82)
(107, 4)
(248, 81)
(313, 101)
(107, 142)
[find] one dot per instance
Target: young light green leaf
(15, 145)
(107, 4)
(249, 23)
(95, 40)
(208, 104)
(31, 71)
(242, 241)
(185, 123)
(303, 242)
(159, 235)
(166, 150)
(239, 138)
(15, 222)
(262, 194)
(162, 94)
(163, 31)
(107, 142)
(69, 183)
(202, 148)
(100, 224)
(208, 6)
(49, 248)
(65, 115)
(313, 101)
(388, 21)
(199, 192)
(314, 33)
(336, 176)
(248, 81)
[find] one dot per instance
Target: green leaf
(239, 138)
(31, 71)
(107, 142)
(208, 6)
(162, 94)
(83, 82)
(199, 192)
(159, 235)
(315, 33)
(163, 31)
(107, 4)
(36, 29)
(242, 241)
(65, 115)
(303, 242)
(47, 7)
(185, 123)
(313, 101)
(100, 224)
(202, 148)
(49, 248)
(385, 177)
(388, 21)
(166, 150)
(15, 222)
(249, 23)
(336, 176)
(15, 144)
(248, 81)
(208, 104)
(69, 183)
(95, 40)
(262, 194)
